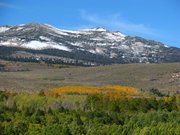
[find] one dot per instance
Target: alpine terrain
(41, 42)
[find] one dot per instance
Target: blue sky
(152, 19)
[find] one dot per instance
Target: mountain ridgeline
(37, 42)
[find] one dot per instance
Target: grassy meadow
(37, 77)
(131, 99)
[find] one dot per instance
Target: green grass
(75, 98)
(145, 76)
(52, 79)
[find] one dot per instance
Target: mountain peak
(34, 23)
(100, 29)
(88, 45)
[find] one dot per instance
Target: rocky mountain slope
(41, 42)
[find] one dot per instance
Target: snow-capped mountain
(42, 42)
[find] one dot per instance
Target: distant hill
(33, 77)
(36, 42)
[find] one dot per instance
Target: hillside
(36, 77)
(35, 42)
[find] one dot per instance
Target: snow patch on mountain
(97, 39)
(166, 46)
(124, 47)
(3, 29)
(119, 34)
(79, 44)
(56, 30)
(100, 50)
(115, 37)
(74, 33)
(19, 28)
(37, 45)
(11, 42)
(45, 38)
(113, 55)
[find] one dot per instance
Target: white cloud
(7, 5)
(116, 22)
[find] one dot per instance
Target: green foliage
(156, 92)
(2, 96)
(56, 129)
(26, 114)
